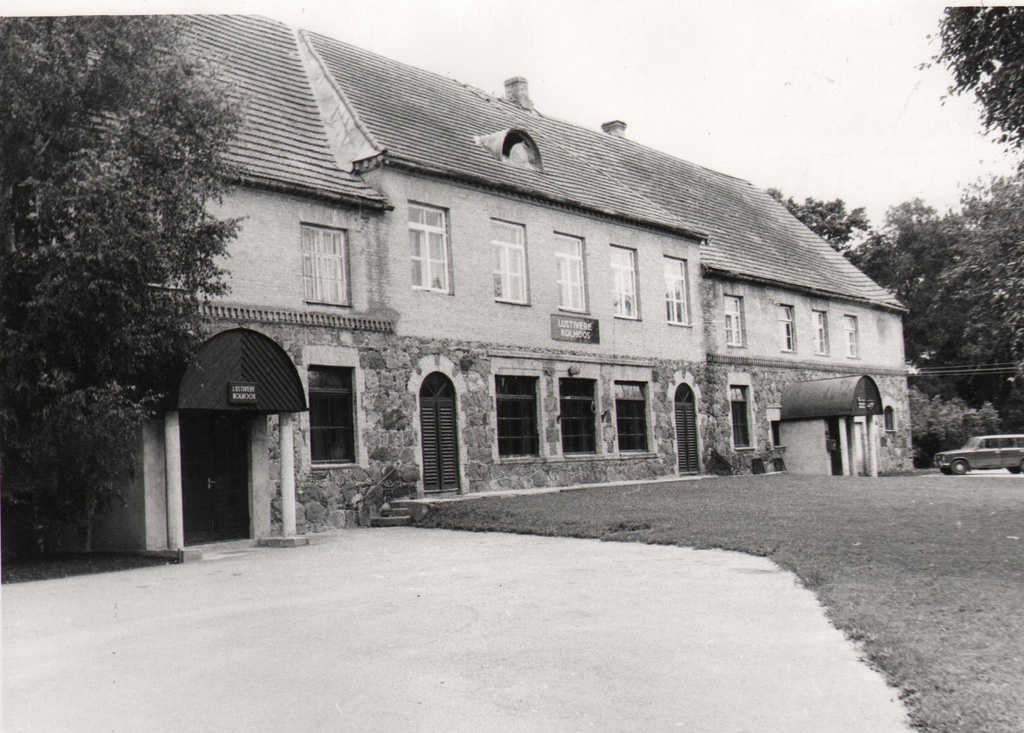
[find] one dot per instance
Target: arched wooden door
(439, 433)
(686, 430)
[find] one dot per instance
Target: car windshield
(971, 444)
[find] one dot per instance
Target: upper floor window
(631, 416)
(508, 243)
(852, 337)
(733, 320)
(569, 254)
(519, 149)
(428, 240)
(676, 310)
(324, 265)
(820, 332)
(624, 274)
(786, 327)
(331, 415)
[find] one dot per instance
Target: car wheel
(1013, 469)
(960, 467)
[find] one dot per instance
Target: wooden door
(439, 432)
(215, 476)
(686, 430)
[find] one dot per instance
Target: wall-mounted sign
(242, 393)
(575, 328)
(866, 405)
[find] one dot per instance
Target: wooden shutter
(439, 434)
(686, 431)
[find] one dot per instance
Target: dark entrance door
(686, 430)
(214, 476)
(834, 445)
(440, 434)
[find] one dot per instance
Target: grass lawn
(926, 571)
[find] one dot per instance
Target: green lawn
(926, 571)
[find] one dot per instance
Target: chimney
(615, 128)
(517, 90)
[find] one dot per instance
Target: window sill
(332, 466)
(573, 311)
(679, 325)
(327, 304)
(576, 458)
(520, 303)
(636, 319)
(736, 346)
(418, 289)
(745, 448)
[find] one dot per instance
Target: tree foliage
(984, 48)
(828, 219)
(943, 423)
(111, 146)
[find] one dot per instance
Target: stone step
(405, 521)
(396, 511)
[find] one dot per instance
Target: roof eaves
(891, 305)
(373, 201)
(431, 169)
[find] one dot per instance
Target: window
(786, 328)
(624, 274)
(517, 415)
(428, 241)
(631, 416)
(776, 433)
(739, 402)
(852, 337)
(569, 254)
(733, 320)
(820, 332)
(324, 270)
(331, 415)
(675, 292)
(577, 415)
(520, 150)
(890, 420)
(509, 245)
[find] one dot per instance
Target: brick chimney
(517, 90)
(615, 128)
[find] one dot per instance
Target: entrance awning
(838, 396)
(241, 370)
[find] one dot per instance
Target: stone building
(447, 291)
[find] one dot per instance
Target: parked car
(984, 451)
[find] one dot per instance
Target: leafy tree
(939, 424)
(828, 219)
(984, 48)
(111, 146)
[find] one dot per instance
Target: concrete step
(401, 521)
(396, 511)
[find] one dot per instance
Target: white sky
(817, 98)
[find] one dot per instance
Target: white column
(844, 446)
(172, 468)
(287, 458)
(872, 447)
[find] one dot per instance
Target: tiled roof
(431, 122)
(282, 143)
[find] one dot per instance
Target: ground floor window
(890, 420)
(739, 401)
(517, 415)
(776, 433)
(577, 415)
(331, 415)
(631, 416)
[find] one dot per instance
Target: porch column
(856, 458)
(872, 446)
(172, 468)
(287, 458)
(844, 446)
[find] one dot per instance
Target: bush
(940, 424)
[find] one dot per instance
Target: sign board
(242, 393)
(575, 328)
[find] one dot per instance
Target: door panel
(215, 476)
(686, 430)
(439, 434)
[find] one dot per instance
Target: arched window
(890, 420)
(514, 147)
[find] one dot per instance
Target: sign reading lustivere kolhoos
(242, 393)
(575, 328)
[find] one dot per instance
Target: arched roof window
(512, 146)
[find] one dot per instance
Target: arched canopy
(838, 396)
(241, 370)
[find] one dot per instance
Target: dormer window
(514, 147)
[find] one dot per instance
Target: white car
(984, 451)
